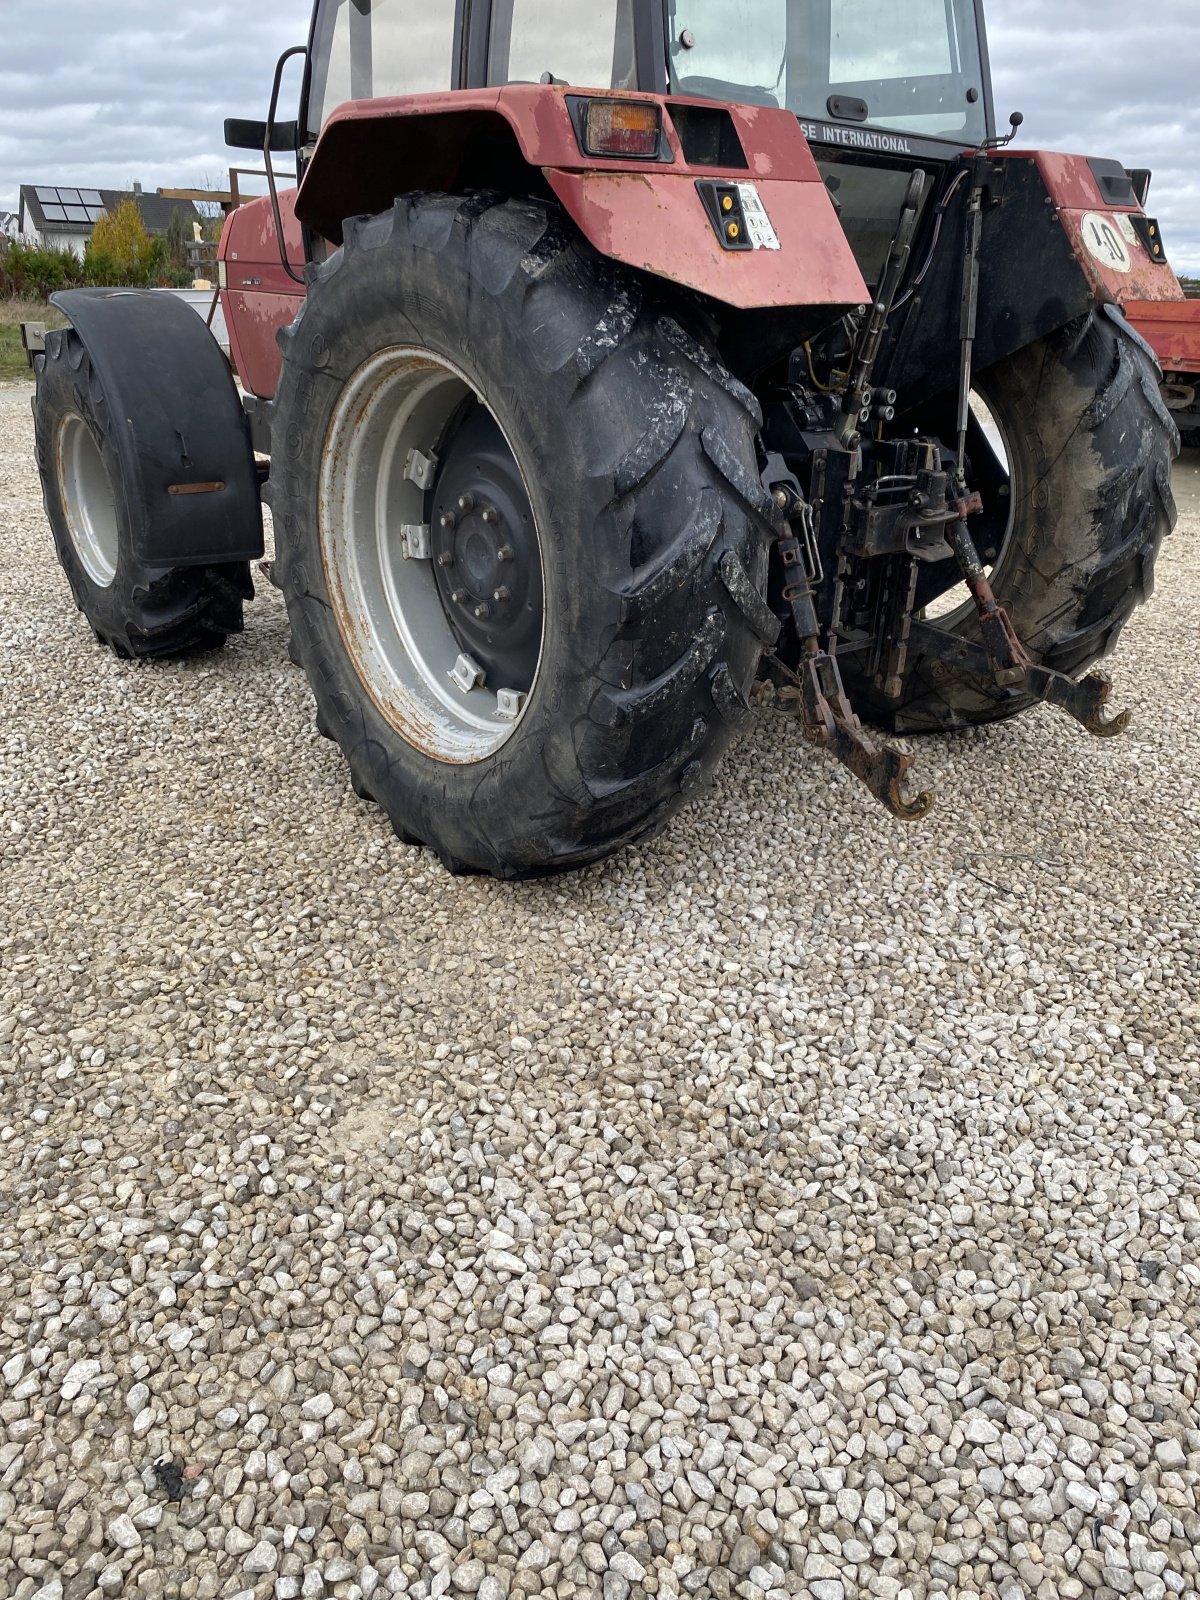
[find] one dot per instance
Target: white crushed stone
(780, 1209)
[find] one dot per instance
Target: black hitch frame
(914, 509)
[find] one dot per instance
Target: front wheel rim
(88, 502)
(379, 485)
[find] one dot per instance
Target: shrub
(120, 251)
(99, 269)
(36, 272)
(176, 278)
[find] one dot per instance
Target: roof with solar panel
(57, 209)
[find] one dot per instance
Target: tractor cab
(917, 69)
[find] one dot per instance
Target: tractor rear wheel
(521, 534)
(1089, 445)
(138, 611)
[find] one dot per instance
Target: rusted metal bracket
(1085, 701)
(826, 714)
(1008, 660)
(828, 720)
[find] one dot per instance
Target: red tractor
(609, 359)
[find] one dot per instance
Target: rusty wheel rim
(421, 665)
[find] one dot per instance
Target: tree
(120, 249)
(179, 237)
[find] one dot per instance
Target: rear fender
(1100, 229)
(1046, 259)
(187, 467)
(648, 215)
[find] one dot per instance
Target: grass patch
(13, 361)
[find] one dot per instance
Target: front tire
(138, 611)
(1091, 445)
(615, 457)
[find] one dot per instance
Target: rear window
(531, 38)
(912, 66)
(375, 49)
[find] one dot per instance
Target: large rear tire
(1090, 444)
(521, 534)
(136, 610)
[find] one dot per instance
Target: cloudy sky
(100, 92)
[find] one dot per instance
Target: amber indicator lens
(622, 128)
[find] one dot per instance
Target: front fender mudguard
(187, 466)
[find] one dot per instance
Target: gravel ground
(802, 1205)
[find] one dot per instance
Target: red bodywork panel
(1113, 258)
(1173, 328)
(646, 214)
(659, 225)
(260, 297)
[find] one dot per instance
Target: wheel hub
(486, 558)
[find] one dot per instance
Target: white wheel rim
(89, 504)
(389, 611)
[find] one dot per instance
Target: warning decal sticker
(758, 223)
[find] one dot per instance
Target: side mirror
(242, 135)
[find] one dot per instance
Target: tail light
(622, 128)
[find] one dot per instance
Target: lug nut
(445, 559)
(500, 596)
(459, 597)
(490, 514)
(505, 552)
(466, 502)
(448, 519)
(483, 611)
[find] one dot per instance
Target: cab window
(374, 49)
(915, 65)
(530, 42)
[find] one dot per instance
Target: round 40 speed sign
(1102, 235)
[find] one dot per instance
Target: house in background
(9, 222)
(62, 218)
